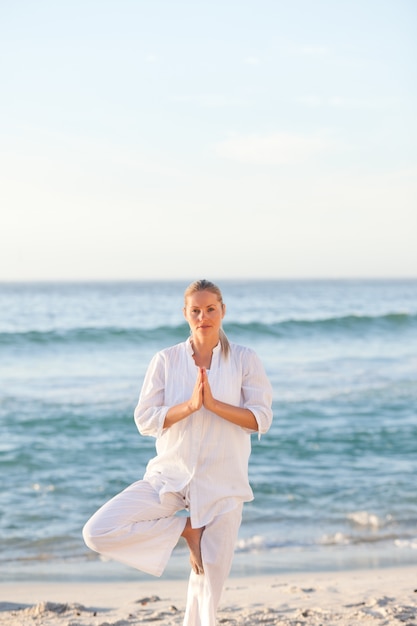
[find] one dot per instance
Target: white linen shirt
(203, 455)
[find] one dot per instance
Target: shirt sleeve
(150, 411)
(257, 391)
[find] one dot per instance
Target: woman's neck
(202, 352)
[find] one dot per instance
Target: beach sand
(368, 597)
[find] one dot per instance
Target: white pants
(136, 528)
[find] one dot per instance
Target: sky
(181, 139)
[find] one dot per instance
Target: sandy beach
(376, 596)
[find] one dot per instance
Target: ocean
(334, 479)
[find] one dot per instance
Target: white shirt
(203, 454)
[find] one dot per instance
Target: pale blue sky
(180, 139)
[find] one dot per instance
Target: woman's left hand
(208, 400)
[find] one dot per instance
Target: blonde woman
(201, 399)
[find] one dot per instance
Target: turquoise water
(334, 479)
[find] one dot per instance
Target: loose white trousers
(137, 529)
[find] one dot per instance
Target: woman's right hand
(196, 400)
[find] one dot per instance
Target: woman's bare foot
(193, 538)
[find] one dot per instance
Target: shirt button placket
(195, 455)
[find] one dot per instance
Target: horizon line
(16, 281)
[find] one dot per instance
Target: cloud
(310, 101)
(252, 60)
(209, 100)
(272, 149)
(308, 50)
(341, 102)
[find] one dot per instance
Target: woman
(201, 400)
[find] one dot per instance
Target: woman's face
(204, 313)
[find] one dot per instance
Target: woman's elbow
(264, 421)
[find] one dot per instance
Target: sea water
(334, 479)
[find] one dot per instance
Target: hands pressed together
(202, 396)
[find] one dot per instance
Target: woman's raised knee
(93, 538)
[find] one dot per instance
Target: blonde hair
(206, 285)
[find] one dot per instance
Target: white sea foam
(338, 538)
(249, 544)
(406, 543)
(363, 518)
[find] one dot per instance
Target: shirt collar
(189, 347)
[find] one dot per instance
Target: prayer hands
(208, 399)
(202, 392)
(201, 395)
